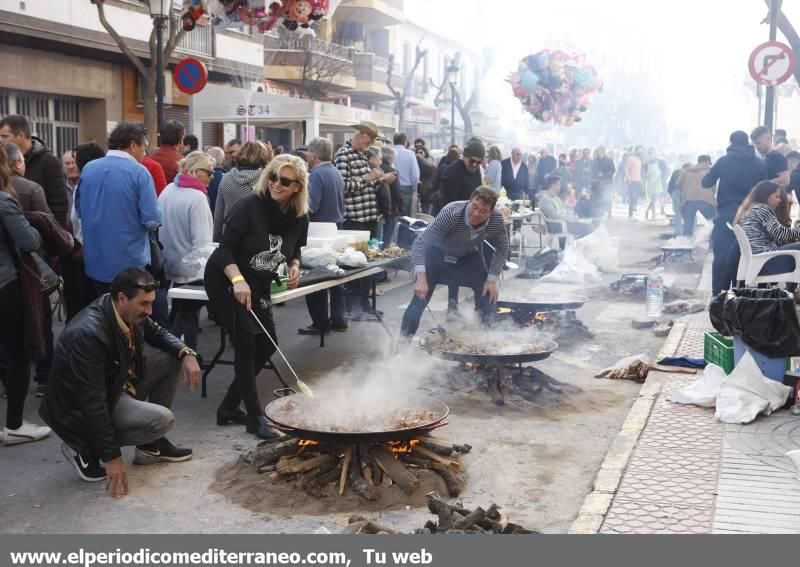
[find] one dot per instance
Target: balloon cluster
(555, 86)
(263, 14)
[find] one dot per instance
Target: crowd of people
(121, 225)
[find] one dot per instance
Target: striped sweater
(361, 203)
(451, 234)
(764, 231)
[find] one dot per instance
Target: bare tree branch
(135, 61)
(788, 30)
(389, 75)
(176, 33)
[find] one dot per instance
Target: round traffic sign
(190, 75)
(772, 63)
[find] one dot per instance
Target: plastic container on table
(772, 368)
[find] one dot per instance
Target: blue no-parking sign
(190, 75)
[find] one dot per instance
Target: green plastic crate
(718, 350)
(278, 288)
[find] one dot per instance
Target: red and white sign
(190, 75)
(772, 63)
(423, 115)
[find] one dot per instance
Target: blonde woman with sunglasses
(266, 230)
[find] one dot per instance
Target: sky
(691, 55)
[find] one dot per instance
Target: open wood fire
(503, 381)
(559, 324)
(322, 469)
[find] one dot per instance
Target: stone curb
(606, 482)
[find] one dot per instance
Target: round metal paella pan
(295, 415)
(431, 340)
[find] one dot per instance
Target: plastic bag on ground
(704, 392)
(574, 269)
(600, 249)
(318, 257)
(746, 393)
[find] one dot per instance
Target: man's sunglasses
(148, 288)
(285, 181)
(474, 162)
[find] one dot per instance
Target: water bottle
(655, 294)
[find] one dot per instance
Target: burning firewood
(399, 474)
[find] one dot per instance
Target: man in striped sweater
(454, 250)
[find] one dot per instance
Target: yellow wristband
(237, 279)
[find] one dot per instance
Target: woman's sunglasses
(285, 181)
(209, 172)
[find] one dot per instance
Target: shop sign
(253, 110)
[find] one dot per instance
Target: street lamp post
(160, 12)
(769, 103)
(452, 77)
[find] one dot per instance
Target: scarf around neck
(188, 182)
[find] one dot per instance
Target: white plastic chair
(555, 237)
(751, 264)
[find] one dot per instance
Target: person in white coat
(186, 232)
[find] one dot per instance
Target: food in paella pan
(477, 345)
(329, 420)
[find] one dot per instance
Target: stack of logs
(364, 468)
(452, 520)
(459, 520)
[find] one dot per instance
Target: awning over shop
(220, 103)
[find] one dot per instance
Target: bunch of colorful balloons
(264, 14)
(555, 86)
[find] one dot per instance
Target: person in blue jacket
(737, 172)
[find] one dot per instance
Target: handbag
(156, 265)
(49, 280)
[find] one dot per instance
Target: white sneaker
(26, 433)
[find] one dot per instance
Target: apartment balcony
(372, 13)
(309, 62)
(198, 42)
(371, 72)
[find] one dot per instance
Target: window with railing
(53, 119)
(311, 44)
(199, 41)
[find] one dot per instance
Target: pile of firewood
(452, 519)
(365, 469)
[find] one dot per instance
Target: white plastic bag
(318, 257)
(747, 393)
(352, 258)
(574, 269)
(704, 392)
(601, 249)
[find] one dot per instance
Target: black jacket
(546, 166)
(738, 171)
(89, 370)
(45, 169)
(390, 197)
(516, 188)
(258, 238)
(458, 182)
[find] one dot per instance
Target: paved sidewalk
(675, 469)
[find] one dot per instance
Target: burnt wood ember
(457, 519)
(504, 381)
(320, 469)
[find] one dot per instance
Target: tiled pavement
(686, 473)
(668, 484)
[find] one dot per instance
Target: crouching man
(101, 397)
